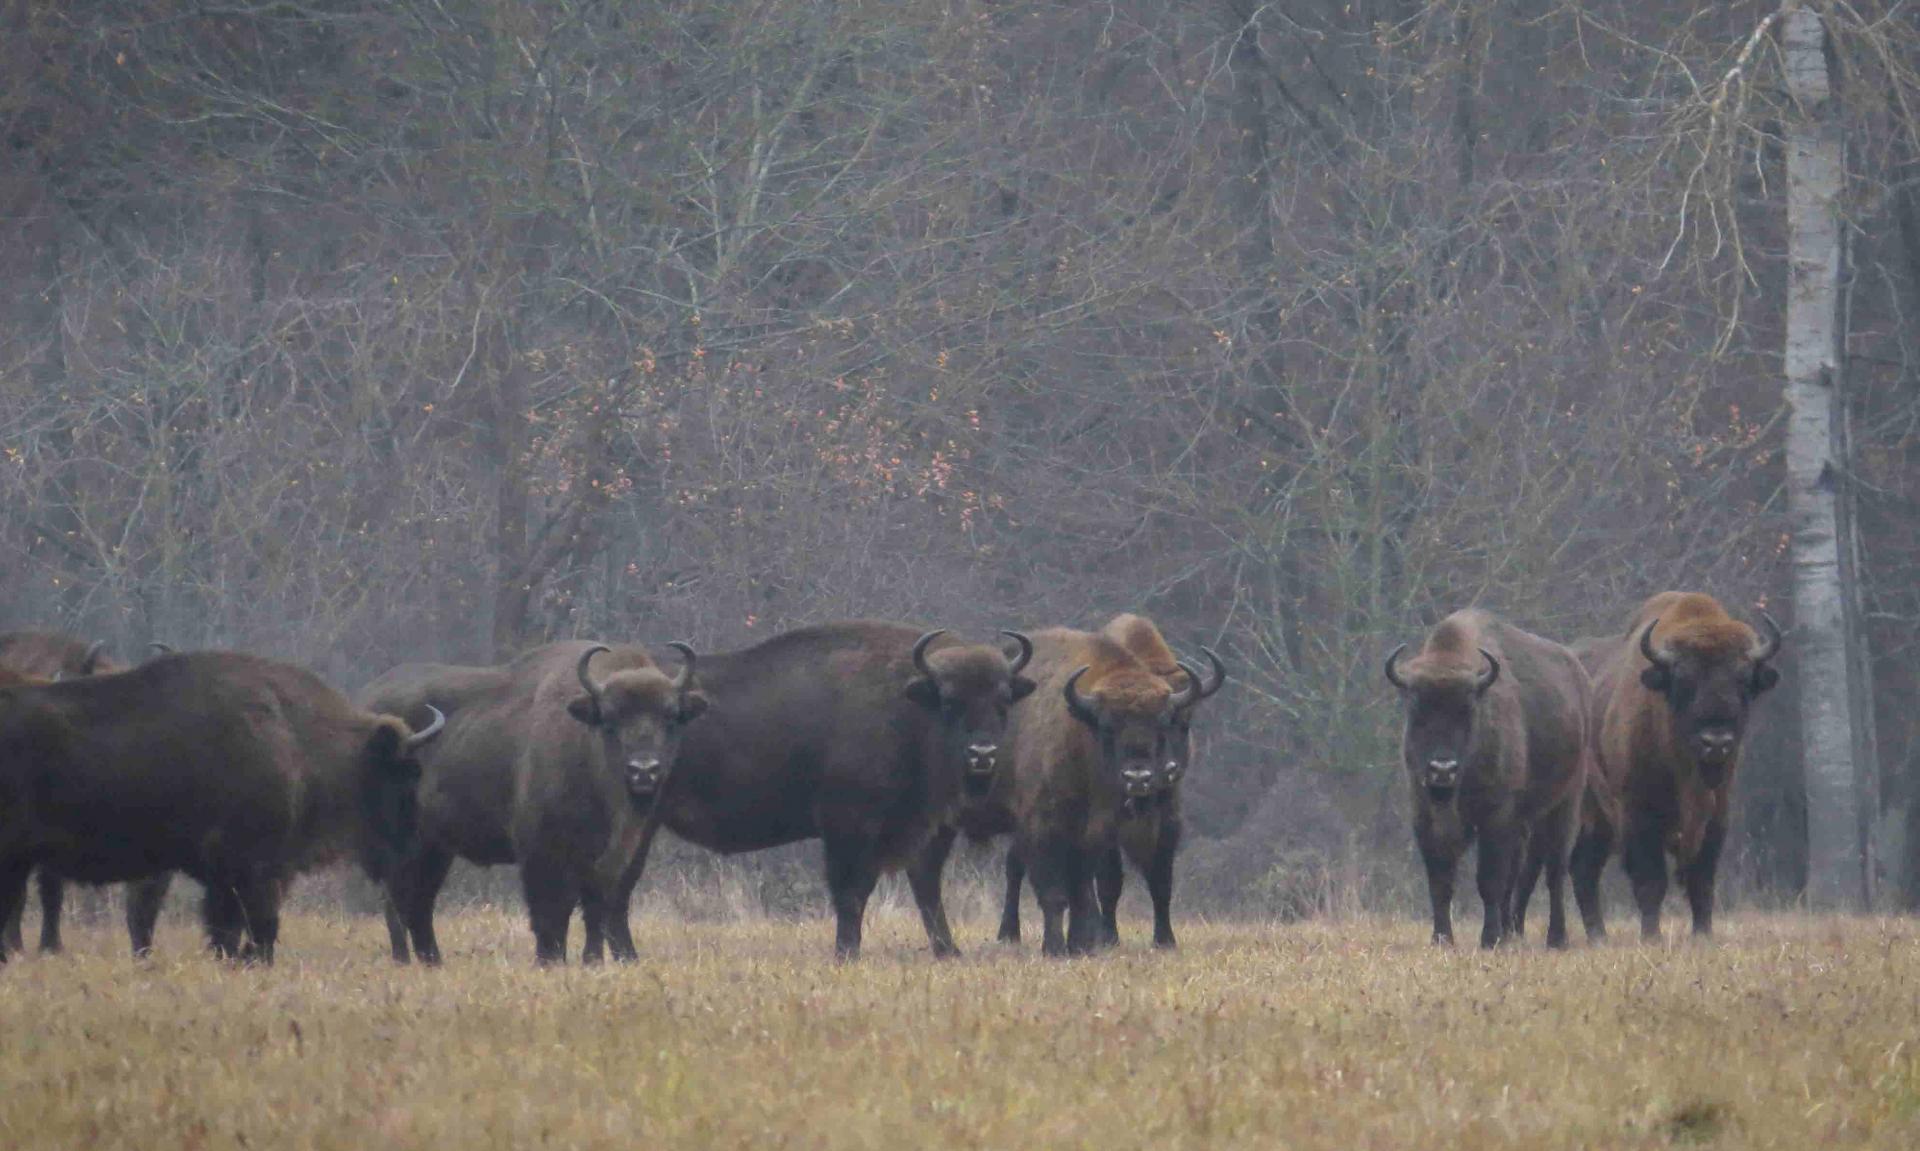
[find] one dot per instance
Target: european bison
(240, 771)
(45, 656)
(1101, 737)
(1672, 697)
(865, 735)
(1495, 750)
(553, 762)
(1150, 826)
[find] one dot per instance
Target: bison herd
(883, 741)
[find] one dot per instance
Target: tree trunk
(1837, 860)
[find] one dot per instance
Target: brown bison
(42, 655)
(1150, 827)
(1099, 741)
(240, 771)
(1672, 696)
(1495, 750)
(864, 735)
(553, 762)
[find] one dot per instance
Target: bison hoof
(1443, 939)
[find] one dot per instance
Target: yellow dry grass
(1789, 1032)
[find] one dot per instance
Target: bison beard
(240, 771)
(1495, 751)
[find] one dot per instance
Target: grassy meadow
(1788, 1032)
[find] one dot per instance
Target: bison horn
(683, 683)
(1078, 706)
(586, 681)
(1487, 677)
(1393, 663)
(92, 657)
(1647, 649)
(1766, 649)
(158, 648)
(1026, 650)
(1189, 694)
(414, 742)
(920, 651)
(1219, 673)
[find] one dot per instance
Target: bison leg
(145, 898)
(550, 900)
(851, 874)
(411, 891)
(1551, 842)
(53, 893)
(1698, 875)
(1085, 932)
(593, 917)
(13, 899)
(924, 874)
(1160, 884)
(1530, 870)
(1055, 884)
(1010, 912)
(1589, 859)
(1496, 873)
(1646, 863)
(1440, 869)
(619, 930)
(259, 899)
(1110, 877)
(220, 911)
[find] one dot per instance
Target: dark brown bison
(1150, 827)
(46, 656)
(864, 735)
(1098, 737)
(1672, 697)
(553, 762)
(240, 771)
(1495, 750)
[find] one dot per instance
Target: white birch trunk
(1815, 169)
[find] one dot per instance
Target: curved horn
(920, 651)
(684, 681)
(1026, 650)
(1492, 673)
(1767, 648)
(92, 657)
(1075, 704)
(413, 742)
(1393, 660)
(1192, 693)
(1646, 647)
(158, 648)
(586, 681)
(1219, 673)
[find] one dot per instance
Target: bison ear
(1022, 687)
(1657, 679)
(1765, 677)
(693, 706)
(924, 692)
(584, 709)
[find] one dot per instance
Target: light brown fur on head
(1694, 623)
(1451, 654)
(1138, 635)
(1118, 682)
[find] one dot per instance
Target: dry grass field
(1789, 1032)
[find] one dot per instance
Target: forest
(359, 333)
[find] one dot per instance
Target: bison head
(390, 795)
(1442, 713)
(1140, 723)
(1709, 679)
(640, 715)
(969, 687)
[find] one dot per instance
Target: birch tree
(1837, 851)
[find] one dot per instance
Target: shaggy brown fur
(1064, 800)
(1495, 751)
(1668, 741)
(240, 771)
(45, 656)
(531, 770)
